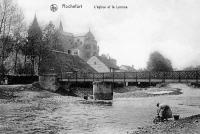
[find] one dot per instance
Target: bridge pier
(102, 90)
(49, 82)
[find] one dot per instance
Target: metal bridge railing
(173, 75)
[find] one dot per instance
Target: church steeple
(35, 22)
(60, 26)
(89, 34)
(34, 29)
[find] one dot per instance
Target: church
(85, 46)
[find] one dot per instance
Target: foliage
(52, 38)
(157, 62)
(11, 28)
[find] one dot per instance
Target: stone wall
(49, 82)
(102, 91)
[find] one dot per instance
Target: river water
(71, 115)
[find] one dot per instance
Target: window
(95, 63)
(75, 52)
(69, 51)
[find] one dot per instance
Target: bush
(158, 63)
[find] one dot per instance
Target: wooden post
(124, 78)
(61, 75)
(113, 77)
(84, 74)
(196, 76)
(149, 78)
(186, 76)
(76, 77)
(93, 77)
(113, 82)
(68, 77)
(179, 76)
(103, 77)
(136, 77)
(164, 76)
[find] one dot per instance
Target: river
(45, 112)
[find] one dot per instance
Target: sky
(130, 35)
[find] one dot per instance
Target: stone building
(85, 46)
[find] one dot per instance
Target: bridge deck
(127, 80)
(174, 76)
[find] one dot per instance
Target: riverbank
(188, 125)
(27, 109)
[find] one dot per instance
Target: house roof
(57, 62)
(127, 68)
(107, 62)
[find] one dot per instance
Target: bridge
(103, 82)
(173, 76)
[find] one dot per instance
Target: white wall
(99, 66)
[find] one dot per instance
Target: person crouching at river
(164, 111)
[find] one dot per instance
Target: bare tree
(11, 25)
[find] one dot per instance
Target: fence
(134, 76)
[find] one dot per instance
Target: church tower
(34, 30)
(60, 27)
(34, 40)
(89, 47)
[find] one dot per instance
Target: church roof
(67, 34)
(34, 29)
(35, 22)
(60, 26)
(60, 29)
(89, 34)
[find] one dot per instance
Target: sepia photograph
(99, 67)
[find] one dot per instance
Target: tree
(11, 20)
(158, 63)
(52, 38)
